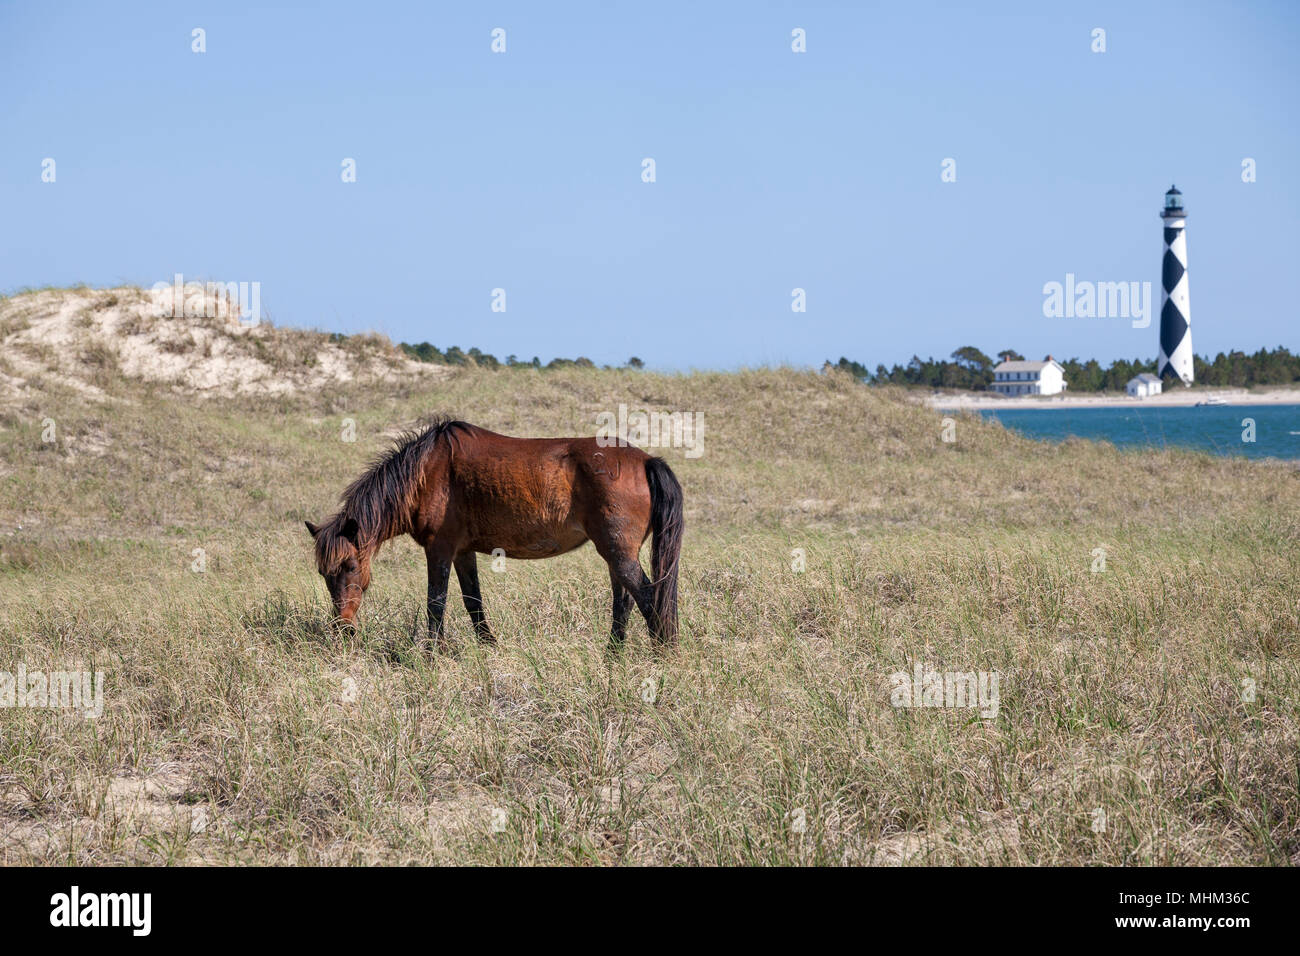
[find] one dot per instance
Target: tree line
(969, 368)
(966, 368)
(425, 352)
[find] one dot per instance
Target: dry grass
(237, 728)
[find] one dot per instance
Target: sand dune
(84, 338)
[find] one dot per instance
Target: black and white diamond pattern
(1175, 311)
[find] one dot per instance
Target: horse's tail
(666, 523)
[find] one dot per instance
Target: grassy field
(159, 539)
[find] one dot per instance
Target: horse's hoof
(431, 647)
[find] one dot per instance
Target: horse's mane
(381, 500)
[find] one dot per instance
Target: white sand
(67, 336)
(1277, 395)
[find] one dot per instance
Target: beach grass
(1139, 611)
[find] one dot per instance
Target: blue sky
(774, 170)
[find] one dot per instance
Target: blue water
(1216, 429)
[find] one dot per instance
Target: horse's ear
(314, 529)
(350, 529)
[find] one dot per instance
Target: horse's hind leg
(467, 575)
(622, 607)
(625, 570)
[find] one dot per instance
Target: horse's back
(537, 497)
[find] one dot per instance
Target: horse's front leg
(467, 574)
(439, 574)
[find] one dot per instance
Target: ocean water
(1216, 429)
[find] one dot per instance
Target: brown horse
(460, 490)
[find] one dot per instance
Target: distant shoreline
(1176, 397)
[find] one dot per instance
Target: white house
(1029, 378)
(1144, 385)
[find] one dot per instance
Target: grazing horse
(460, 490)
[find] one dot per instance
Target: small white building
(1144, 385)
(1029, 378)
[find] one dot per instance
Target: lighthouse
(1176, 304)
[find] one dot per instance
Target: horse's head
(343, 564)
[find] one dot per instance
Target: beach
(1174, 397)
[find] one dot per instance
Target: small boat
(1212, 400)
